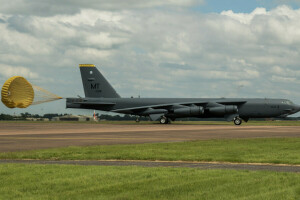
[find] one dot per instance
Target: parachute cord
(43, 96)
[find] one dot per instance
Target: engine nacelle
(151, 111)
(222, 110)
(189, 111)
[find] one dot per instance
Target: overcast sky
(170, 48)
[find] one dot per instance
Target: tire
(237, 121)
(164, 120)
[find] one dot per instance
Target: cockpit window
(288, 102)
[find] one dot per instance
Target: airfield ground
(41, 135)
(185, 160)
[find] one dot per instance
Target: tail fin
(94, 83)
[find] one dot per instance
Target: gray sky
(172, 48)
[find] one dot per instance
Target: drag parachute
(17, 92)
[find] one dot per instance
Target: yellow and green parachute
(17, 92)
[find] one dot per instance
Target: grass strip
(99, 182)
(261, 150)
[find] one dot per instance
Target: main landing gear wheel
(164, 120)
(237, 121)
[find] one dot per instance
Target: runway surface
(27, 136)
(199, 165)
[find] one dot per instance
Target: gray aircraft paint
(94, 83)
(100, 95)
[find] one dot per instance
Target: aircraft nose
(293, 109)
(297, 108)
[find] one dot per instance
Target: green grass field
(250, 123)
(98, 182)
(33, 181)
(263, 150)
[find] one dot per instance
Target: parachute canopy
(17, 92)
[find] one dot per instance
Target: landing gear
(137, 119)
(237, 121)
(164, 120)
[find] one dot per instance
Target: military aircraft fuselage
(246, 108)
(100, 95)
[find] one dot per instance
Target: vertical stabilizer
(94, 83)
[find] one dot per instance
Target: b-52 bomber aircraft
(100, 95)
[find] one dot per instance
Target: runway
(28, 136)
(199, 165)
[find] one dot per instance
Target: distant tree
(50, 116)
(6, 117)
(25, 115)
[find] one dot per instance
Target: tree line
(24, 116)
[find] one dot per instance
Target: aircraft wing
(172, 105)
(158, 106)
(96, 103)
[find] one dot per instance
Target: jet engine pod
(222, 110)
(151, 111)
(17, 92)
(189, 111)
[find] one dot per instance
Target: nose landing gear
(137, 119)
